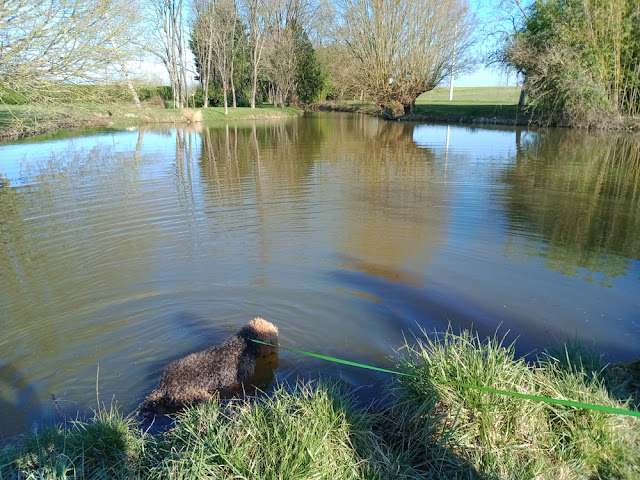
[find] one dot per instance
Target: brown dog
(221, 368)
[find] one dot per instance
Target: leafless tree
(255, 12)
(224, 18)
(48, 45)
(284, 20)
(170, 46)
(508, 18)
(402, 48)
(202, 31)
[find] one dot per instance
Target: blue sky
(483, 77)
(492, 16)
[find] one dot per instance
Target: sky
(483, 77)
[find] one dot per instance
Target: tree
(224, 20)
(580, 59)
(255, 13)
(202, 31)
(284, 21)
(402, 48)
(309, 78)
(48, 45)
(168, 19)
(280, 67)
(507, 18)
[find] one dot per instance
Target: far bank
(469, 105)
(20, 121)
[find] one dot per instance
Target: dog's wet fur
(219, 369)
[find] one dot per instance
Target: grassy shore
(485, 105)
(427, 429)
(18, 121)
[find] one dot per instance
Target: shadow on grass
(476, 113)
(620, 379)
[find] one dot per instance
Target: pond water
(120, 252)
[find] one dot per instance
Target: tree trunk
(233, 90)
(521, 102)
(136, 100)
(254, 86)
(224, 95)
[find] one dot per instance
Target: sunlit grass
(470, 101)
(516, 438)
(308, 432)
(110, 446)
(471, 96)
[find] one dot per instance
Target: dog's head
(260, 329)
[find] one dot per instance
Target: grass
(426, 430)
(17, 121)
(505, 437)
(469, 105)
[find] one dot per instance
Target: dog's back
(221, 368)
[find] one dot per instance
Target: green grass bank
(426, 429)
(471, 105)
(19, 121)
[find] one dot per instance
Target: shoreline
(430, 427)
(24, 121)
(420, 115)
(458, 115)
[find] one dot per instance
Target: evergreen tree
(309, 74)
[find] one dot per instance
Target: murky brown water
(129, 250)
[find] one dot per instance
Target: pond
(120, 252)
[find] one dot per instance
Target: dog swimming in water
(222, 368)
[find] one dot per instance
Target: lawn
(470, 101)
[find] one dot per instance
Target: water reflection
(580, 194)
(131, 250)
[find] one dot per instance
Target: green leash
(537, 398)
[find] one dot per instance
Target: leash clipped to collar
(537, 398)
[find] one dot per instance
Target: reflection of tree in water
(376, 170)
(261, 167)
(391, 225)
(65, 253)
(242, 159)
(581, 193)
(16, 396)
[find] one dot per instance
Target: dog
(219, 369)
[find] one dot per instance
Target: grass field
(471, 102)
(471, 96)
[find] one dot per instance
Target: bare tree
(281, 63)
(402, 48)
(508, 18)
(224, 16)
(48, 45)
(168, 19)
(255, 13)
(285, 19)
(202, 30)
(127, 12)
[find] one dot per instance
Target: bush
(146, 93)
(580, 60)
(12, 98)
(157, 102)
